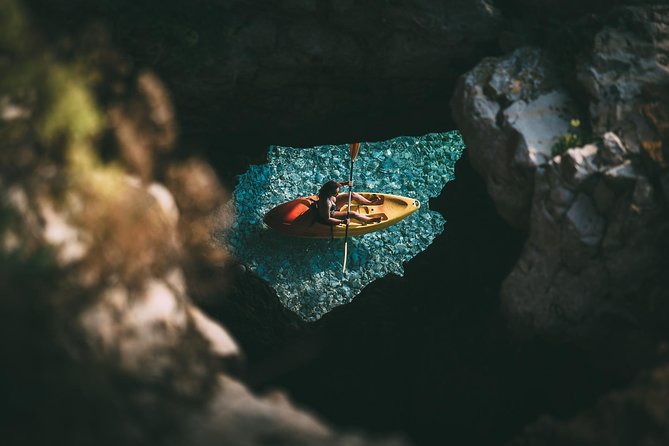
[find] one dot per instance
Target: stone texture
(510, 111)
(296, 66)
(220, 340)
(635, 415)
(581, 245)
(595, 245)
(626, 73)
(240, 418)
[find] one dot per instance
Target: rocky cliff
(573, 149)
(588, 183)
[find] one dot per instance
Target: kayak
(299, 217)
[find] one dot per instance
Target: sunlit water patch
(307, 274)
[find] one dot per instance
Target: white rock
(166, 202)
(157, 304)
(221, 342)
(66, 238)
(538, 124)
(100, 321)
(624, 172)
(613, 150)
(579, 164)
(238, 417)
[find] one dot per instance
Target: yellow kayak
(299, 217)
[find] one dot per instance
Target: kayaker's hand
(347, 222)
(350, 184)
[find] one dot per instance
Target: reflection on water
(306, 274)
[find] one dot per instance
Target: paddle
(354, 148)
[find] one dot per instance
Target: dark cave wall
(311, 69)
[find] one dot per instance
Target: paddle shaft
(354, 153)
(350, 194)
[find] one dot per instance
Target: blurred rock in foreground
(103, 234)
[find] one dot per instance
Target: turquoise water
(306, 274)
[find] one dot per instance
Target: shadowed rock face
(635, 415)
(598, 214)
(299, 66)
(511, 110)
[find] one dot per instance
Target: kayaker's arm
(336, 221)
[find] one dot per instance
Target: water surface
(306, 274)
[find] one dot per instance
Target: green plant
(570, 139)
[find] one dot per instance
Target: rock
(624, 173)
(102, 248)
(613, 150)
(221, 342)
(635, 414)
(237, 417)
(579, 255)
(664, 185)
(583, 219)
(560, 195)
(625, 71)
(578, 165)
(298, 66)
(603, 196)
(135, 325)
(588, 205)
(538, 123)
(165, 201)
(144, 126)
(511, 111)
(544, 12)
(643, 196)
(69, 242)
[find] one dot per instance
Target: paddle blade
(355, 147)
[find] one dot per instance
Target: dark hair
(329, 189)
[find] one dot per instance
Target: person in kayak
(329, 200)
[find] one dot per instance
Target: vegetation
(573, 138)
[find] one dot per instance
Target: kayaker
(330, 199)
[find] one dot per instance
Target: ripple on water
(306, 274)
